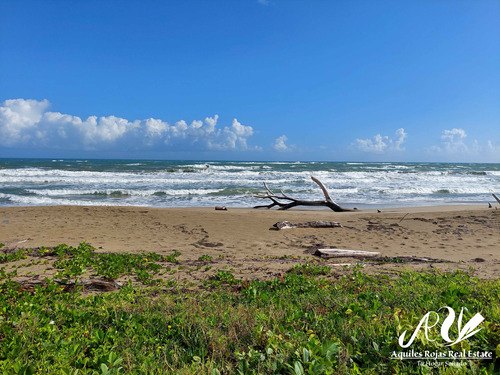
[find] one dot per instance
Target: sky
(343, 80)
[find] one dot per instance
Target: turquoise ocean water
(34, 182)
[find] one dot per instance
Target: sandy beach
(466, 237)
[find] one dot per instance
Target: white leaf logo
(468, 330)
(463, 333)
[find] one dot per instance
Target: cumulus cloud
(17, 119)
(29, 123)
(454, 144)
(399, 139)
(280, 145)
(380, 144)
(454, 141)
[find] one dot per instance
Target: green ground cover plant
(309, 269)
(13, 256)
(75, 261)
(205, 258)
(298, 323)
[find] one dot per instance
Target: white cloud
(453, 141)
(280, 145)
(18, 118)
(380, 144)
(453, 134)
(156, 128)
(28, 123)
(454, 145)
(399, 139)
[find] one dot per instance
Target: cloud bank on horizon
(453, 145)
(28, 123)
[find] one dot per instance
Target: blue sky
(251, 80)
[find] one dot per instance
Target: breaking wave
(208, 183)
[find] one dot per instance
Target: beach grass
(298, 323)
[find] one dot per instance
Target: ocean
(37, 182)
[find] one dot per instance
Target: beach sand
(468, 237)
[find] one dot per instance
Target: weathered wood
(342, 253)
(498, 199)
(284, 224)
(292, 202)
(322, 187)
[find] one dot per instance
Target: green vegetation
(309, 269)
(75, 261)
(222, 277)
(13, 256)
(205, 258)
(294, 324)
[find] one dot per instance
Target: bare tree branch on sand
(284, 202)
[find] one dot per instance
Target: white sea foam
(123, 192)
(46, 201)
(208, 183)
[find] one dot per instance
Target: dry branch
(498, 199)
(284, 202)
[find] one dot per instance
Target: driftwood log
(376, 258)
(284, 202)
(284, 224)
(342, 253)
